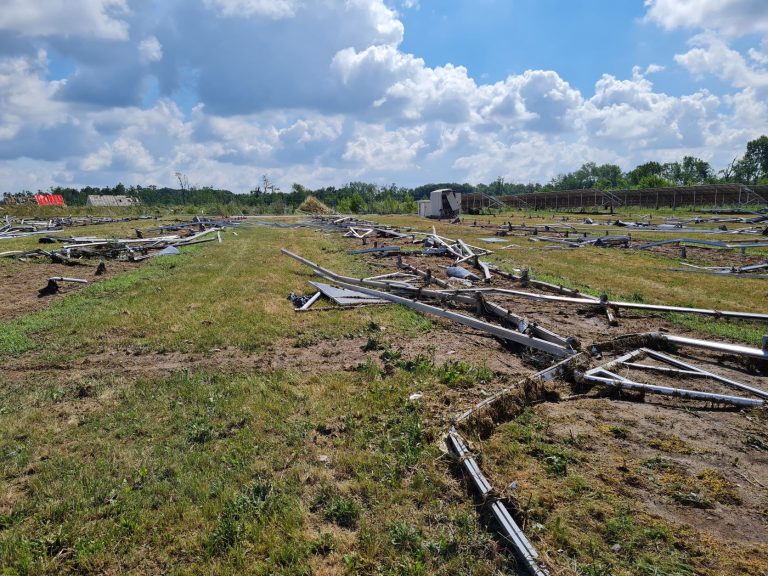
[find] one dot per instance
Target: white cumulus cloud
(321, 92)
(732, 17)
(711, 55)
(85, 18)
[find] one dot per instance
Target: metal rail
(613, 303)
(620, 382)
(522, 546)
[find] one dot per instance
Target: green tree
(608, 176)
(644, 171)
(746, 170)
(357, 203)
(409, 204)
(590, 175)
(653, 181)
(757, 156)
(344, 206)
(695, 171)
(673, 172)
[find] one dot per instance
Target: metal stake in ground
(53, 285)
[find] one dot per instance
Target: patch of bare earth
(701, 256)
(690, 446)
(20, 284)
(697, 470)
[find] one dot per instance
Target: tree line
(364, 197)
(751, 168)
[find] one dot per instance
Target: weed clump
(241, 514)
(459, 374)
(756, 442)
(718, 487)
(618, 432)
(670, 443)
(371, 344)
(337, 508)
(404, 536)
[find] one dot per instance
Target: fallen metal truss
(606, 374)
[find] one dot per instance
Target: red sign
(50, 200)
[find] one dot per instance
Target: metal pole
(680, 364)
(619, 382)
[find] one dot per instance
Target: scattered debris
(517, 336)
(711, 243)
(750, 271)
(495, 240)
(344, 297)
(169, 251)
(22, 227)
(80, 250)
(431, 291)
(386, 249)
(459, 272)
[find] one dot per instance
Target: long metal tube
(504, 333)
(664, 369)
(617, 304)
(619, 382)
(683, 309)
(680, 364)
(523, 325)
(717, 346)
(512, 531)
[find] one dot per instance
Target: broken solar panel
(344, 297)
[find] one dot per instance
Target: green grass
(244, 471)
(212, 296)
(459, 374)
(217, 472)
(586, 520)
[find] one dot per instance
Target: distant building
(443, 203)
(112, 201)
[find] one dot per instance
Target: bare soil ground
(691, 444)
(709, 256)
(21, 282)
(703, 472)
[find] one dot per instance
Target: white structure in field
(112, 201)
(443, 203)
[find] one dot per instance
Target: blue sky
(322, 92)
(581, 40)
